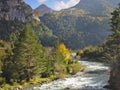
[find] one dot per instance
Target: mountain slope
(82, 25)
(45, 36)
(77, 31)
(95, 7)
(114, 2)
(43, 9)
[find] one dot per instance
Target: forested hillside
(78, 28)
(96, 7)
(77, 31)
(45, 35)
(83, 25)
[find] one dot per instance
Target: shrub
(2, 80)
(7, 87)
(74, 68)
(59, 68)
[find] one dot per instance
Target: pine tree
(112, 50)
(24, 64)
(113, 42)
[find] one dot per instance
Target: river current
(95, 77)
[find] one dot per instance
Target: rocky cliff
(13, 15)
(15, 10)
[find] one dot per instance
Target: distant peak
(44, 9)
(43, 5)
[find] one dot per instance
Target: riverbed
(94, 77)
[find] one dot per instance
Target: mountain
(114, 2)
(95, 7)
(98, 7)
(14, 14)
(82, 25)
(43, 9)
(77, 31)
(15, 10)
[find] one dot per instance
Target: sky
(54, 4)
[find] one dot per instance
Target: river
(95, 77)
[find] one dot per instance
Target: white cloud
(41, 1)
(64, 5)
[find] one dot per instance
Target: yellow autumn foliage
(65, 52)
(81, 51)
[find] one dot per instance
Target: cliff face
(13, 15)
(15, 10)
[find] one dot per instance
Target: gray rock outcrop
(15, 10)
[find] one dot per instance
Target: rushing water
(95, 77)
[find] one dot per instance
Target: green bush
(91, 52)
(59, 68)
(2, 80)
(74, 68)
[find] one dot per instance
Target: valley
(72, 48)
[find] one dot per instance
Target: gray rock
(15, 10)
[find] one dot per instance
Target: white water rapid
(95, 77)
